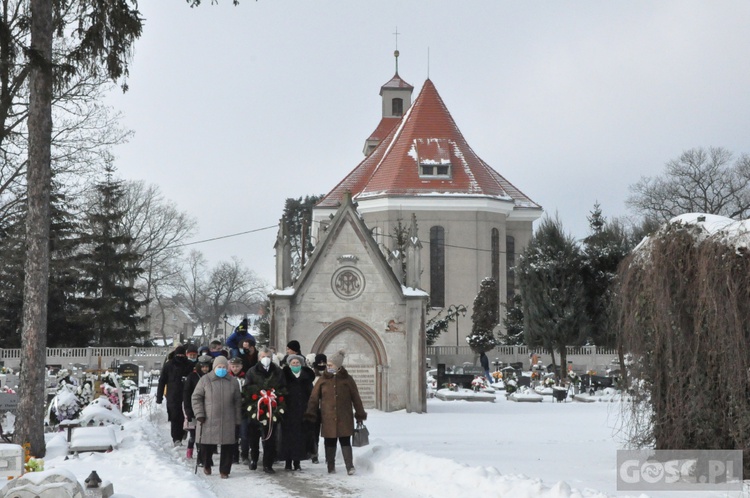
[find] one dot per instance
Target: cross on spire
(395, 53)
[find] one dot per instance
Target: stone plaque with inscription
(365, 377)
(129, 371)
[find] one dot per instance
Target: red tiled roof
(427, 134)
(396, 82)
(384, 128)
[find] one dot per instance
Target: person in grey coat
(216, 404)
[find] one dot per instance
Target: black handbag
(361, 435)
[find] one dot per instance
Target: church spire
(396, 52)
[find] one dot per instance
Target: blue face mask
(331, 370)
(221, 372)
(242, 351)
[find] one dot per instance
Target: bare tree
(231, 282)
(210, 295)
(699, 181)
(157, 228)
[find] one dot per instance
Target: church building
(459, 221)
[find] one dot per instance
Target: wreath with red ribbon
(264, 405)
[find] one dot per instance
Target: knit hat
(337, 358)
(295, 357)
(294, 346)
(220, 361)
(192, 348)
(321, 359)
(179, 350)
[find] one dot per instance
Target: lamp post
(453, 311)
(225, 328)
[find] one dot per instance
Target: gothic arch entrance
(365, 358)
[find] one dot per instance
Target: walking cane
(200, 453)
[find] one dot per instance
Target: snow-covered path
(459, 448)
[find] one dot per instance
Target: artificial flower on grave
(110, 387)
(574, 378)
(263, 405)
(534, 375)
(479, 383)
(30, 463)
(65, 405)
(549, 381)
(6, 370)
(511, 385)
(7, 390)
(498, 375)
(450, 386)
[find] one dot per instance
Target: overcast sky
(235, 109)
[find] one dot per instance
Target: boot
(331, 459)
(189, 453)
(288, 465)
(346, 451)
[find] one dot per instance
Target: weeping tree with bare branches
(684, 314)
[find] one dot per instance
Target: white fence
(91, 358)
(582, 358)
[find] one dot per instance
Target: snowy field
(457, 449)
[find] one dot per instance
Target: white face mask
(265, 361)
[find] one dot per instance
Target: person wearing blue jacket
(240, 334)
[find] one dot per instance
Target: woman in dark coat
(171, 382)
(299, 385)
(337, 395)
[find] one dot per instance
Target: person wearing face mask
(202, 367)
(318, 362)
(264, 375)
(294, 434)
(171, 382)
(336, 395)
(216, 404)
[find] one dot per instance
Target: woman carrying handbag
(337, 396)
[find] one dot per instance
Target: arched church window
(495, 254)
(510, 262)
(437, 267)
(397, 107)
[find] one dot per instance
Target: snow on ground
(458, 448)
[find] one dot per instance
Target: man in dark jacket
(171, 380)
(234, 341)
(263, 376)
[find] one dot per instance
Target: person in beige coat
(216, 404)
(337, 396)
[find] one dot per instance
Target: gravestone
(8, 402)
(130, 371)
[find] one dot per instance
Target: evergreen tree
(603, 250)
(513, 322)
(109, 301)
(551, 282)
(298, 218)
(485, 317)
(63, 323)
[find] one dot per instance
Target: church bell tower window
(397, 107)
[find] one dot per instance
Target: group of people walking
(233, 403)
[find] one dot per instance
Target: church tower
(396, 95)
(474, 222)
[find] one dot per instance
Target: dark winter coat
(273, 378)
(336, 395)
(219, 400)
(171, 378)
(249, 360)
(234, 341)
(187, 393)
(294, 437)
(484, 361)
